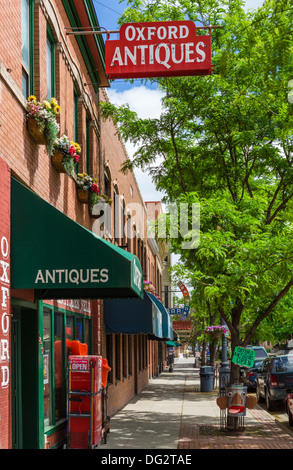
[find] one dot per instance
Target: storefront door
(24, 379)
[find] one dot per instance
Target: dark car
(248, 375)
(275, 376)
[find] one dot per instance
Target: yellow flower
(46, 104)
(57, 109)
(54, 102)
(32, 98)
(76, 146)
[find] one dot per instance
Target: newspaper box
(84, 401)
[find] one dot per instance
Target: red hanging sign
(158, 49)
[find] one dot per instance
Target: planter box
(83, 195)
(36, 131)
(57, 160)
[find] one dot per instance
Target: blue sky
(145, 100)
(108, 13)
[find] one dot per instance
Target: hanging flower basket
(36, 130)
(87, 190)
(97, 202)
(83, 195)
(215, 331)
(41, 121)
(65, 155)
(57, 161)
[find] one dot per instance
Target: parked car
(275, 376)
(289, 405)
(248, 375)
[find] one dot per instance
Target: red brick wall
(5, 370)
(30, 162)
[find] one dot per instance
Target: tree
(225, 141)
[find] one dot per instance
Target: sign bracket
(84, 30)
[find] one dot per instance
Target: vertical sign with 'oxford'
(5, 308)
(4, 283)
(158, 49)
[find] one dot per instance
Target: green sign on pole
(243, 357)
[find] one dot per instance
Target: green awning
(167, 319)
(59, 258)
(173, 344)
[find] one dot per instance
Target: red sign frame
(158, 49)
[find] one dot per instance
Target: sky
(146, 101)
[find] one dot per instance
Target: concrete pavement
(172, 413)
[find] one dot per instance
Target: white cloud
(253, 4)
(144, 101)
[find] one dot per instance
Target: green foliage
(226, 142)
(51, 134)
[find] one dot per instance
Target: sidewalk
(172, 413)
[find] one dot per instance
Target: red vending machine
(84, 398)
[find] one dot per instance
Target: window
(59, 367)
(124, 355)
(69, 328)
(75, 121)
(47, 357)
(27, 46)
(117, 357)
(118, 216)
(166, 291)
(50, 64)
(107, 184)
(87, 145)
(107, 191)
(130, 354)
(58, 330)
(87, 332)
(109, 355)
(78, 330)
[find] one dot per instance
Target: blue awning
(133, 316)
(167, 319)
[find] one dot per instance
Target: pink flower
(94, 188)
(71, 151)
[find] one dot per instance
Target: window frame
(87, 169)
(50, 39)
(75, 120)
(30, 84)
(64, 314)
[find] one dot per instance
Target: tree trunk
(213, 352)
(203, 354)
(235, 369)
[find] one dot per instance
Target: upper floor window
(87, 145)
(27, 46)
(50, 64)
(75, 120)
(107, 184)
